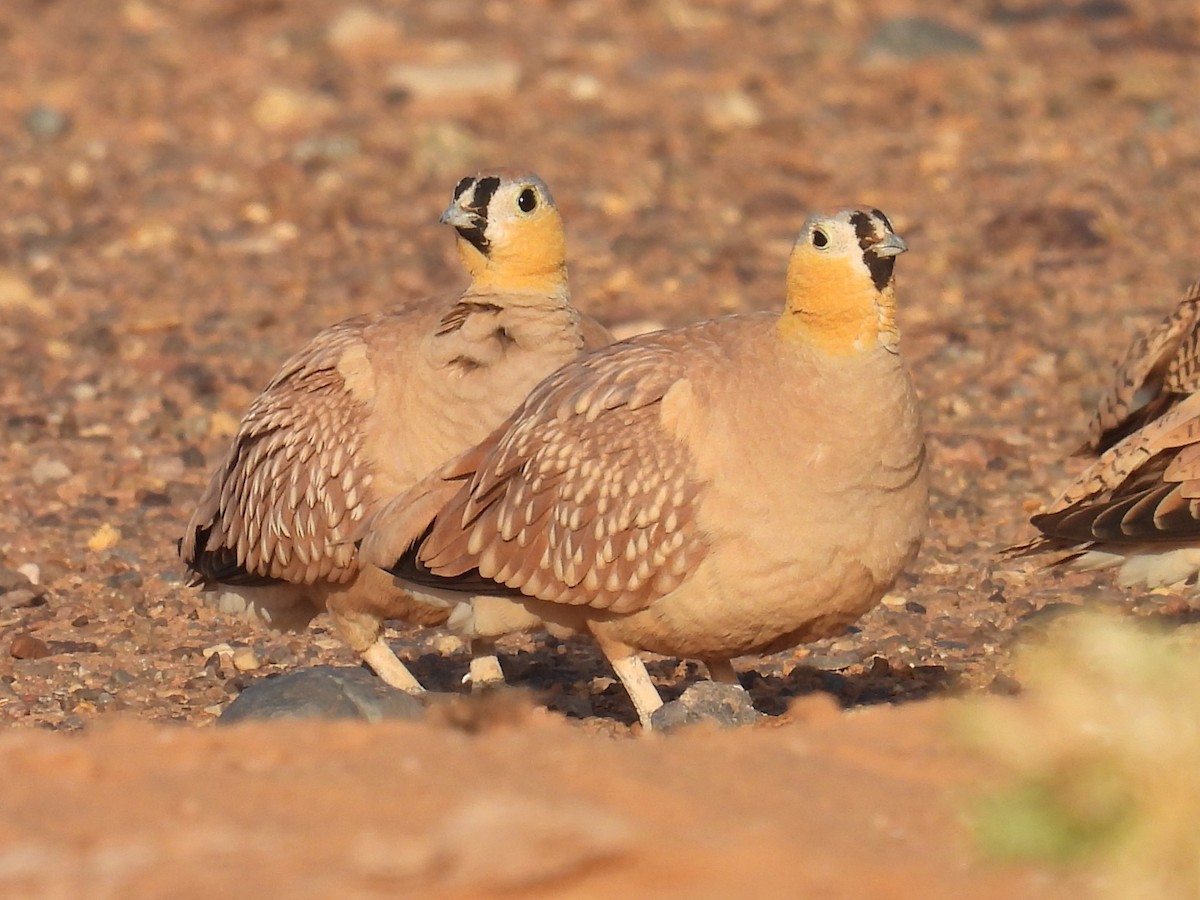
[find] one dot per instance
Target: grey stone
(21, 598)
(833, 661)
(47, 122)
(727, 705)
(319, 149)
(917, 38)
(324, 692)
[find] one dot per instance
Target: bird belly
(783, 581)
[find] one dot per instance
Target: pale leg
(383, 661)
(721, 671)
(485, 669)
(638, 684)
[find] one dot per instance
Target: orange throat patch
(839, 315)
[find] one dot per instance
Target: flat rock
(323, 692)
(47, 470)
(445, 81)
(26, 646)
(727, 705)
(47, 122)
(914, 37)
(16, 580)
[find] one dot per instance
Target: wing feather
(583, 496)
(1160, 367)
(288, 498)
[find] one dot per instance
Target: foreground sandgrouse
(1137, 506)
(738, 486)
(372, 405)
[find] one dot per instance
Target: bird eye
(527, 201)
(820, 239)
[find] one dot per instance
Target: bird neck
(493, 279)
(839, 314)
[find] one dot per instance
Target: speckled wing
(1144, 489)
(289, 500)
(583, 496)
(1160, 367)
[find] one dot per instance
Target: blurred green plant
(1099, 757)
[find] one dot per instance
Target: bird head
(510, 235)
(840, 295)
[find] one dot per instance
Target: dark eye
(527, 201)
(820, 239)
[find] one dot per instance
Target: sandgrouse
(734, 487)
(372, 405)
(1137, 505)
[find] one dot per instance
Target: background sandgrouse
(373, 404)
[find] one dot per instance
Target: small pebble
(193, 457)
(105, 538)
(17, 293)
(833, 660)
(168, 467)
(31, 571)
(152, 499)
(21, 598)
(245, 659)
(494, 78)
(919, 38)
(448, 644)
(47, 122)
(26, 646)
(279, 108)
(732, 111)
(11, 579)
(360, 31)
(47, 470)
(319, 149)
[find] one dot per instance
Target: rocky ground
(189, 191)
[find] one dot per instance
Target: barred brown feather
(1161, 367)
(291, 495)
(583, 487)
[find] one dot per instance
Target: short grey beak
(458, 217)
(892, 245)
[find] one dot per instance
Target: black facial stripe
(887, 223)
(864, 228)
(880, 267)
(462, 186)
(474, 234)
(484, 189)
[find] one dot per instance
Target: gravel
(229, 179)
